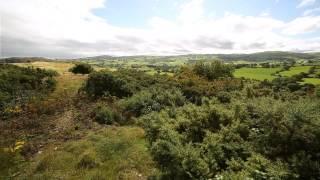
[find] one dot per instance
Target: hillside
(255, 57)
(200, 122)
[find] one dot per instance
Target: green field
(256, 73)
(312, 81)
(295, 70)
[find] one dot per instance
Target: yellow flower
(18, 145)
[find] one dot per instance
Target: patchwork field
(256, 73)
(314, 81)
(270, 73)
(295, 70)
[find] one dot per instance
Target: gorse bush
(224, 97)
(317, 92)
(125, 83)
(81, 68)
(18, 85)
(194, 86)
(122, 83)
(152, 99)
(260, 139)
(105, 115)
(213, 70)
(105, 83)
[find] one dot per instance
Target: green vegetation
(307, 74)
(103, 83)
(295, 70)
(214, 70)
(81, 68)
(315, 81)
(262, 138)
(257, 73)
(105, 115)
(106, 154)
(162, 118)
(153, 99)
(20, 85)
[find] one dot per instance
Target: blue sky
(136, 13)
(78, 28)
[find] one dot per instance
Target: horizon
(176, 55)
(72, 29)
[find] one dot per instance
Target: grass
(110, 153)
(60, 67)
(314, 81)
(67, 82)
(256, 73)
(107, 153)
(295, 70)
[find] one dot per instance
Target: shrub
(261, 139)
(224, 97)
(81, 68)
(102, 83)
(214, 70)
(194, 87)
(105, 115)
(318, 91)
(153, 99)
(18, 85)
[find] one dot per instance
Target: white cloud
(59, 28)
(311, 11)
(192, 11)
(302, 25)
(305, 3)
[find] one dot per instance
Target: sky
(83, 28)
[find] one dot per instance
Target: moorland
(237, 116)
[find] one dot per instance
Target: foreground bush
(153, 99)
(123, 83)
(317, 91)
(18, 85)
(260, 139)
(105, 115)
(194, 87)
(105, 83)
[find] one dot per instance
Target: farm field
(269, 73)
(315, 81)
(256, 73)
(295, 70)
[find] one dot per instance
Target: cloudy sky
(79, 28)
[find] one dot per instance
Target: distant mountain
(269, 56)
(23, 59)
(103, 57)
(255, 57)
